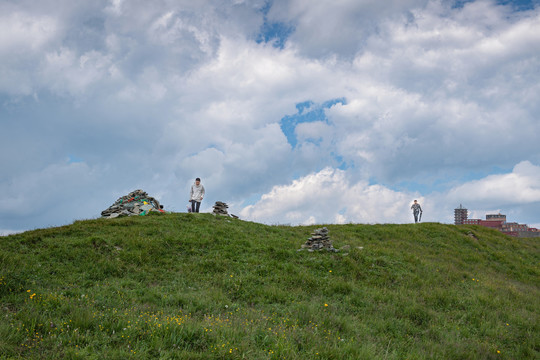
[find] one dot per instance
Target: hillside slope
(195, 286)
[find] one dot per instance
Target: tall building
(460, 215)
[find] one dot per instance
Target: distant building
(495, 224)
(460, 215)
(513, 226)
(495, 221)
(531, 232)
(496, 217)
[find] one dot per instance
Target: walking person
(417, 211)
(196, 195)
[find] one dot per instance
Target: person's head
(415, 201)
(197, 181)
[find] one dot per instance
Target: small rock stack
(220, 208)
(319, 240)
(135, 203)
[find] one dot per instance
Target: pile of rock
(220, 208)
(319, 240)
(135, 203)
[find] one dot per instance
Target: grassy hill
(195, 286)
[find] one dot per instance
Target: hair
(198, 179)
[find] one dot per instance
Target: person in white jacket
(196, 195)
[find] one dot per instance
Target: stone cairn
(220, 208)
(319, 240)
(135, 203)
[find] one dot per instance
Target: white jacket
(197, 192)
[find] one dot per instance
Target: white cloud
(66, 72)
(313, 131)
(521, 186)
(57, 193)
(151, 95)
(23, 33)
(329, 196)
(22, 37)
(326, 28)
(6, 232)
(115, 7)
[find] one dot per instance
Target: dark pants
(416, 216)
(195, 205)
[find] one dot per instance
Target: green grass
(195, 286)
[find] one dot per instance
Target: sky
(290, 111)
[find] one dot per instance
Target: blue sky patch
(307, 111)
(518, 5)
(276, 33)
(72, 159)
(343, 165)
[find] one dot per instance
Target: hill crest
(205, 287)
